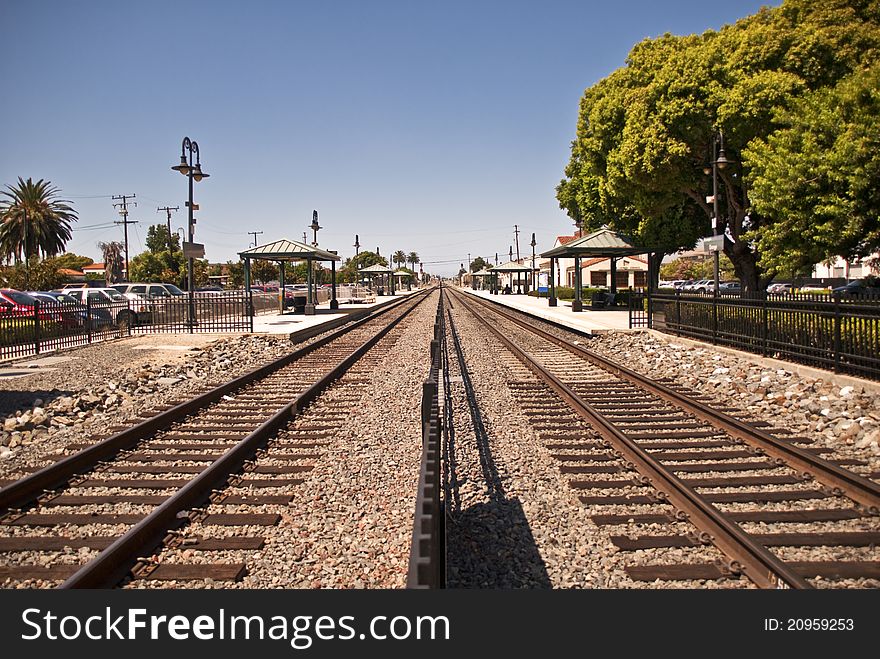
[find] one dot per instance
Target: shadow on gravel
(23, 399)
(488, 544)
(493, 547)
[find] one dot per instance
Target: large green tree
(158, 263)
(645, 134)
(348, 273)
(819, 177)
(413, 258)
(73, 261)
(33, 220)
(158, 239)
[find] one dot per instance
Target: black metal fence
(427, 560)
(220, 312)
(837, 332)
(46, 327)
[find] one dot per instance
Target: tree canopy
(349, 271)
(158, 263)
(645, 133)
(33, 220)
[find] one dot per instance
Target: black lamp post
(315, 227)
(719, 161)
(312, 297)
(533, 243)
(193, 172)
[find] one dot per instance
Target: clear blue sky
(431, 127)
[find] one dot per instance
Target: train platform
(590, 321)
(290, 322)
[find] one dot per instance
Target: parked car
(17, 304)
(779, 288)
(869, 286)
(96, 317)
(148, 291)
(700, 286)
(814, 288)
(122, 310)
(70, 313)
(729, 288)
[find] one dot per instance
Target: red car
(15, 304)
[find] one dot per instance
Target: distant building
(841, 268)
(631, 272)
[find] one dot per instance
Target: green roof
(377, 269)
(289, 250)
(603, 242)
(512, 266)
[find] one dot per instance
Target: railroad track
(734, 498)
(100, 517)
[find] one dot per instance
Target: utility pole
(511, 252)
(125, 222)
(255, 234)
(516, 231)
(168, 210)
(305, 239)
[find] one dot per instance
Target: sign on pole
(193, 250)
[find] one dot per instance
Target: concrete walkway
(286, 323)
(591, 321)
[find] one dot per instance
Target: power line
(125, 222)
(255, 234)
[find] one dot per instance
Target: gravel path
(108, 383)
(349, 525)
(846, 418)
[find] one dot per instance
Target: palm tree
(413, 258)
(113, 261)
(33, 220)
(399, 257)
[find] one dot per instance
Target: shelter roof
(376, 269)
(289, 250)
(512, 266)
(603, 242)
(482, 273)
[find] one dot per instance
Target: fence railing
(220, 312)
(427, 560)
(46, 327)
(837, 332)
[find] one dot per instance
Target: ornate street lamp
(193, 172)
(719, 161)
(315, 228)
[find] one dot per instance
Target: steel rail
(28, 489)
(754, 560)
(841, 481)
(427, 559)
(115, 562)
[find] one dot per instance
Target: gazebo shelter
(511, 268)
(483, 274)
(286, 251)
(379, 270)
(602, 243)
(399, 275)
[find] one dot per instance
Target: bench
(602, 300)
